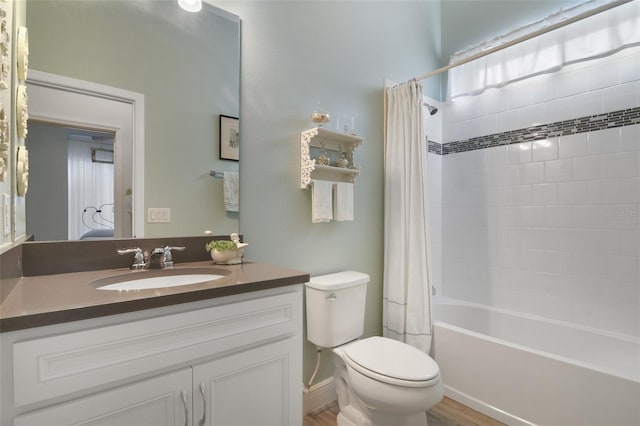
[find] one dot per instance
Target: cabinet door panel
(154, 402)
(250, 388)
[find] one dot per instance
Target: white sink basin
(147, 280)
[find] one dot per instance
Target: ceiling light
(190, 5)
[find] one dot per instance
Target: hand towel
(321, 201)
(231, 190)
(343, 202)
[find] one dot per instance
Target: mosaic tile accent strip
(434, 147)
(625, 117)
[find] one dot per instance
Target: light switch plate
(158, 215)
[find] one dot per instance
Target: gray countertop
(50, 299)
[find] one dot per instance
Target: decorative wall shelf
(332, 143)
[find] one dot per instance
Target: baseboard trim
(319, 395)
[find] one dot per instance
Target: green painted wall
(293, 55)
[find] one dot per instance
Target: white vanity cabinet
(234, 360)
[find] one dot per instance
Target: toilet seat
(393, 362)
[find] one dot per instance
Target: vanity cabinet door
(256, 387)
(160, 401)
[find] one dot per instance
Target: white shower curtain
(406, 294)
(90, 185)
(593, 37)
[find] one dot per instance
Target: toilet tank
(335, 308)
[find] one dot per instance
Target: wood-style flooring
(447, 413)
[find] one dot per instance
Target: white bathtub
(526, 370)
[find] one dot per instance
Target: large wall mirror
(186, 66)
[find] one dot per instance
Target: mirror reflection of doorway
(108, 113)
(72, 176)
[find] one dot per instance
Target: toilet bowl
(379, 381)
(382, 382)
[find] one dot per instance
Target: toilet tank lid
(338, 280)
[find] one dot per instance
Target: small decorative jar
(342, 160)
(323, 159)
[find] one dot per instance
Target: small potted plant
(222, 251)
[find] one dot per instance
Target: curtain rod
(517, 40)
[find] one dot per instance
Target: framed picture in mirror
(229, 138)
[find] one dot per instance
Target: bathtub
(525, 370)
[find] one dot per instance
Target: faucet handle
(167, 257)
(138, 257)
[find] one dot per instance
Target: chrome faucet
(138, 257)
(161, 257)
(168, 257)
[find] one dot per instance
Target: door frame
(131, 144)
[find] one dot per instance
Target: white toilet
(379, 381)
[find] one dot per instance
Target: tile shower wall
(547, 226)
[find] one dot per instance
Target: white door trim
(136, 100)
